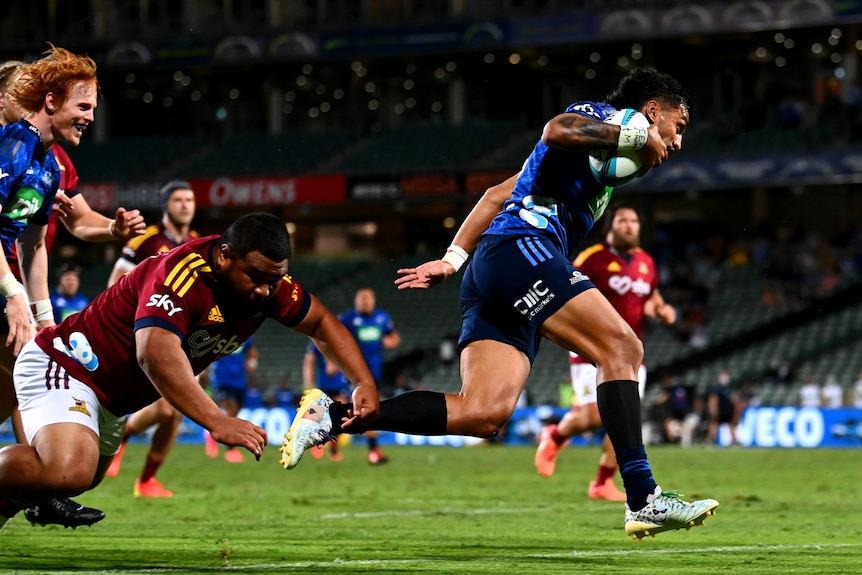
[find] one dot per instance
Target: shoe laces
(66, 504)
(326, 436)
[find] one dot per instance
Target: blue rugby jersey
(368, 330)
(29, 178)
(229, 371)
(556, 195)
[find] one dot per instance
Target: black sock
(415, 412)
(620, 409)
(372, 443)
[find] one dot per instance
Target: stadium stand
(264, 154)
(130, 159)
(418, 147)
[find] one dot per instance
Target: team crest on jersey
(643, 268)
(81, 407)
(614, 267)
(215, 315)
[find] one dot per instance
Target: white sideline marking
(496, 559)
(419, 513)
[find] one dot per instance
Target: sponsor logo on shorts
(536, 298)
(81, 407)
(577, 277)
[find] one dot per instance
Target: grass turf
(441, 510)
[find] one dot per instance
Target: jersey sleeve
(291, 304)
(159, 305)
(68, 173)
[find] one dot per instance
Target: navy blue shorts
(226, 393)
(511, 286)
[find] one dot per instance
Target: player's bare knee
(490, 425)
(70, 483)
(166, 412)
(594, 420)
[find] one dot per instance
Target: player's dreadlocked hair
(644, 84)
(259, 232)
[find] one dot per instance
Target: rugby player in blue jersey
(56, 96)
(375, 331)
(521, 286)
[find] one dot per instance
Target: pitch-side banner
(779, 427)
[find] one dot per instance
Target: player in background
(626, 275)
(318, 372)
(56, 96)
(177, 200)
(375, 331)
(229, 380)
(147, 337)
(520, 287)
(66, 298)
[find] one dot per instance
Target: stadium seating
(265, 155)
(130, 160)
(423, 147)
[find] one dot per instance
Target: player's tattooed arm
(577, 133)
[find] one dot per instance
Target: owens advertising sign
(275, 191)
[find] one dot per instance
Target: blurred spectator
(680, 418)
(723, 406)
(65, 298)
(810, 393)
(857, 392)
(782, 372)
(254, 394)
(284, 395)
(833, 392)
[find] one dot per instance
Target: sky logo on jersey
(536, 298)
(164, 302)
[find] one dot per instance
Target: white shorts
(584, 382)
(48, 394)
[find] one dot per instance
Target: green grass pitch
(442, 510)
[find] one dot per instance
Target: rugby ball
(615, 168)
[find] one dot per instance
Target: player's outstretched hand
(366, 406)
(237, 432)
(63, 204)
(18, 318)
(130, 223)
(425, 276)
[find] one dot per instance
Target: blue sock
(637, 476)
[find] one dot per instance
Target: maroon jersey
(627, 282)
(177, 291)
(154, 240)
